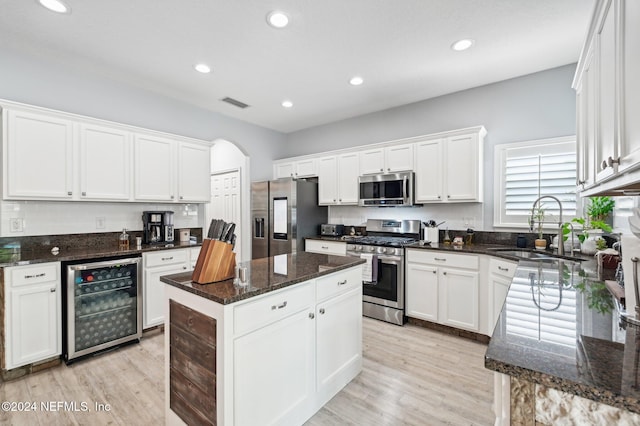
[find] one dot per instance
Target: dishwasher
(102, 305)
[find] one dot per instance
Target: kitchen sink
(533, 255)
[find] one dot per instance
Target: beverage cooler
(103, 305)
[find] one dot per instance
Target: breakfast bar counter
(561, 353)
(271, 350)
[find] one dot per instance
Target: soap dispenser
(123, 241)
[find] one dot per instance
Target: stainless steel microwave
(394, 189)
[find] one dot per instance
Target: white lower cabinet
(500, 276)
(155, 265)
(338, 248)
(304, 340)
(33, 314)
(444, 288)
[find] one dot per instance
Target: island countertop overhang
(264, 275)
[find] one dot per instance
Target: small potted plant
(600, 208)
(540, 242)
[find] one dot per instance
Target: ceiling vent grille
(234, 102)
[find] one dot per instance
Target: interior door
(226, 202)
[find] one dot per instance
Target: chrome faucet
(532, 221)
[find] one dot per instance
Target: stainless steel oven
(383, 296)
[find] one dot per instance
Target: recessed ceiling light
(287, 104)
(57, 6)
(277, 19)
(203, 68)
(356, 81)
(463, 44)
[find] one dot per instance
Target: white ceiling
(400, 47)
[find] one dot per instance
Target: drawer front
(165, 257)
(272, 307)
(441, 258)
(326, 247)
(339, 282)
(33, 274)
(502, 267)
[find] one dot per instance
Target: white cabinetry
(389, 159)
(38, 156)
(155, 265)
(500, 276)
(450, 169)
(606, 85)
(105, 163)
(443, 288)
(338, 248)
(33, 321)
(338, 179)
(309, 338)
(83, 159)
(295, 169)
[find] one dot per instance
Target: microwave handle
(405, 184)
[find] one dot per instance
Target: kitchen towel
(370, 268)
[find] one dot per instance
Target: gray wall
(536, 106)
(53, 84)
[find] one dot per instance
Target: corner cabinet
(501, 274)
(606, 85)
(84, 159)
(450, 169)
(33, 314)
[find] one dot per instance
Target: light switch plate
(100, 222)
(15, 224)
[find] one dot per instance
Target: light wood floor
(411, 376)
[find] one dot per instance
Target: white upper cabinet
(38, 156)
(338, 179)
(83, 159)
(606, 87)
(194, 173)
(389, 159)
(295, 169)
(105, 163)
(155, 162)
(450, 169)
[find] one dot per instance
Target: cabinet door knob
(439, 197)
(181, 197)
(53, 290)
(311, 315)
(172, 197)
(84, 194)
(382, 170)
(448, 196)
(611, 161)
(434, 271)
(444, 273)
(322, 311)
(340, 200)
(334, 200)
(69, 193)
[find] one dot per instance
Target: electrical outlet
(100, 222)
(15, 224)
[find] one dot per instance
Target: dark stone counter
(265, 275)
(30, 257)
(560, 328)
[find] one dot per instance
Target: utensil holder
(216, 262)
(432, 235)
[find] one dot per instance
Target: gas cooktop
(386, 241)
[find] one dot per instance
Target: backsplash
(65, 217)
(457, 216)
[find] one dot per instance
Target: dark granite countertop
(560, 328)
(265, 275)
(29, 257)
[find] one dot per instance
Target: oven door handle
(392, 260)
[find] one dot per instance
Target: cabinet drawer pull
(503, 269)
(282, 305)
(439, 259)
(322, 311)
(343, 282)
(324, 248)
(167, 258)
(43, 274)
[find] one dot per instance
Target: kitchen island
(273, 349)
(560, 352)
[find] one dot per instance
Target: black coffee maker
(157, 227)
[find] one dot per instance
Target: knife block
(216, 262)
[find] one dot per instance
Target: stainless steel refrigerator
(283, 213)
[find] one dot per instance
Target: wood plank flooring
(411, 376)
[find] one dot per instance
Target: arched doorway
(230, 193)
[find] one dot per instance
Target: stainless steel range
(383, 248)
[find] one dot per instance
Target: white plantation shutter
(528, 170)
